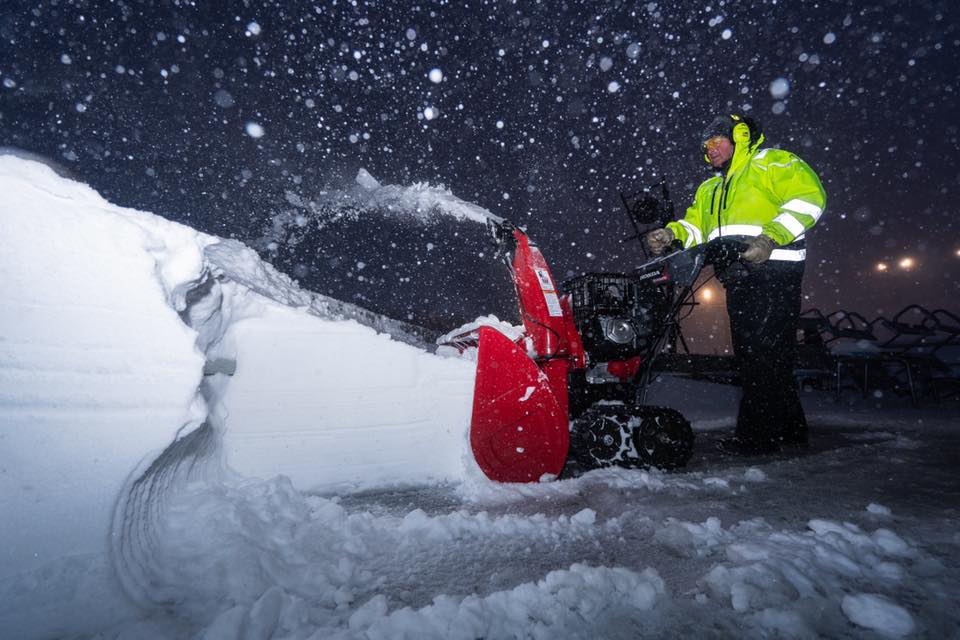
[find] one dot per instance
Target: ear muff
(706, 156)
(741, 133)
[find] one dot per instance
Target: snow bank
(124, 335)
(97, 370)
(332, 404)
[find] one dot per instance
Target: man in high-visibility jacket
(770, 198)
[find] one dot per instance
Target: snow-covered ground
(193, 447)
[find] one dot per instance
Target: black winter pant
(763, 302)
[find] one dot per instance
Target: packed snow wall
(136, 353)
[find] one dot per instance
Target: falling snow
(779, 88)
(561, 106)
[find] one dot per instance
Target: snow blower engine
(568, 395)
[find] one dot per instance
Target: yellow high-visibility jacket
(767, 191)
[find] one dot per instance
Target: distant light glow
(907, 263)
(957, 253)
(882, 266)
(708, 294)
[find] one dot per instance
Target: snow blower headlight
(618, 330)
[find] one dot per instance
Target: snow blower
(568, 395)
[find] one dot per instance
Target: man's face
(718, 149)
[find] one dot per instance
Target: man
(771, 198)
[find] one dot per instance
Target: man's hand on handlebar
(659, 239)
(757, 249)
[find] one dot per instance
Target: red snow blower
(567, 396)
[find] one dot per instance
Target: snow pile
(580, 602)
(236, 555)
(777, 577)
(332, 404)
(323, 567)
(511, 331)
(464, 340)
(97, 370)
(879, 614)
(124, 335)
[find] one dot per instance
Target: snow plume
(413, 252)
(420, 203)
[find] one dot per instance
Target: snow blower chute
(567, 396)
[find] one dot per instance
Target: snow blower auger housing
(568, 393)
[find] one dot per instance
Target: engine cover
(618, 316)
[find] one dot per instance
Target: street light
(882, 266)
(907, 263)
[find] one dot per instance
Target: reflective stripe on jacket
(767, 191)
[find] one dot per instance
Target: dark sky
(542, 112)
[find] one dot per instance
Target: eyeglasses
(712, 143)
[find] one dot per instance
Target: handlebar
(724, 251)
(682, 267)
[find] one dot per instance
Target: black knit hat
(719, 126)
(723, 126)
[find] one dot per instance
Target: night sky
(221, 114)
